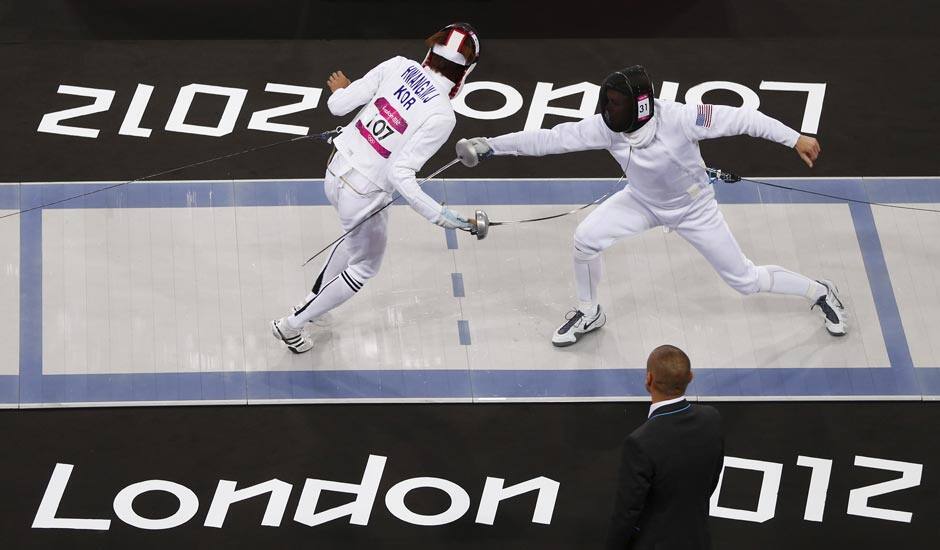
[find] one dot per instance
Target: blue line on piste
(31, 337)
(456, 280)
(880, 282)
(408, 383)
(9, 388)
(31, 386)
(463, 332)
(450, 235)
(460, 192)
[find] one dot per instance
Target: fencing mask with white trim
(455, 55)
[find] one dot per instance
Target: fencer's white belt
(695, 190)
(362, 185)
(354, 180)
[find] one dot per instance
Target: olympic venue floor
(161, 293)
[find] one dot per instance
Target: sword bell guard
(481, 225)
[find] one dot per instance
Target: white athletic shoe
(832, 308)
(295, 340)
(577, 324)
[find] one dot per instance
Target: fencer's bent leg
(367, 248)
(336, 261)
(338, 258)
(360, 257)
(588, 268)
(619, 216)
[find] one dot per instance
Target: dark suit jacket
(669, 469)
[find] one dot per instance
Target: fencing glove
(448, 219)
(472, 151)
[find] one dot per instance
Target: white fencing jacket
(667, 172)
(407, 116)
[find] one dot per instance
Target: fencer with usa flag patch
(405, 117)
(667, 185)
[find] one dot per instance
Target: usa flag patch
(704, 118)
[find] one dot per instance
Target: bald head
(669, 371)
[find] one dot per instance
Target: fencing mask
(630, 112)
(454, 51)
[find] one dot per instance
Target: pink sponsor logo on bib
(390, 114)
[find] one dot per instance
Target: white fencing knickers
(358, 256)
(698, 221)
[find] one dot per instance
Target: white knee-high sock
(777, 280)
(332, 293)
(587, 275)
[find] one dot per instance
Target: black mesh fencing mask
(635, 108)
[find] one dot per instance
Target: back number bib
(382, 126)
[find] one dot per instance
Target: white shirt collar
(441, 79)
(659, 404)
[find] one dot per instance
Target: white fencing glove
(448, 219)
(472, 151)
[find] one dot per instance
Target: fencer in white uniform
(406, 116)
(656, 144)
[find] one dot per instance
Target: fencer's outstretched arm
(590, 133)
(422, 146)
(343, 100)
(712, 121)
